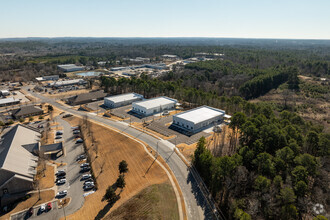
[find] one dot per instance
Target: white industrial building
(64, 83)
(4, 92)
(153, 106)
(198, 119)
(9, 101)
(121, 100)
(70, 67)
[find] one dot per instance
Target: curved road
(196, 204)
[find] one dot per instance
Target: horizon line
(169, 37)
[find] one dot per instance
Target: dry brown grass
(46, 178)
(32, 201)
(113, 148)
(67, 94)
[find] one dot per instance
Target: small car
(30, 212)
(88, 187)
(62, 193)
(78, 141)
(59, 133)
(86, 176)
(61, 181)
(42, 208)
(58, 137)
(60, 173)
(81, 157)
(85, 169)
(87, 182)
(76, 132)
(49, 206)
(84, 165)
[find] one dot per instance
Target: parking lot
(36, 212)
(73, 184)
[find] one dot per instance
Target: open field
(113, 148)
(154, 202)
(67, 94)
(32, 201)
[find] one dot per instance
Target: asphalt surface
(196, 203)
(73, 184)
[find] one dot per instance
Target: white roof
(72, 81)
(8, 100)
(200, 114)
(124, 97)
(155, 102)
(4, 91)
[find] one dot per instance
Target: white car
(84, 165)
(61, 181)
(42, 208)
(86, 176)
(88, 183)
(62, 193)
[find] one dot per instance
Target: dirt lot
(154, 202)
(67, 94)
(112, 148)
(32, 201)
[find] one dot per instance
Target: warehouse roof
(87, 96)
(124, 97)
(67, 82)
(14, 157)
(200, 114)
(8, 100)
(155, 102)
(26, 110)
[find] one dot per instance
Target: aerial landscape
(175, 110)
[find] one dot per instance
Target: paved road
(196, 205)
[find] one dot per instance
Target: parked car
(84, 165)
(85, 169)
(60, 173)
(78, 141)
(42, 208)
(88, 183)
(59, 133)
(40, 126)
(75, 128)
(88, 187)
(86, 176)
(58, 137)
(67, 115)
(61, 181)
(76, 132)
(49, 206)
(30, 212)
(81, 157)
(62, 193)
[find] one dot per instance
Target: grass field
(114, 147)
(47, 178)
(154, 202)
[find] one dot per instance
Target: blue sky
(300, 19)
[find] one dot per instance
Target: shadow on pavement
(200, 199)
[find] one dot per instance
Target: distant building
(86, 98)
(102, 63)
(119, 68)
(27, 111)
(4, 92)
(59, 84)
(70, 67)
(198, 119)
(9, 101)
(121, 100)
(170, 57)
(153, 106)
(45, 78)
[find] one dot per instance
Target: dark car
(60, 173)
(59, 133)
(30, 212)
(58, 137)
(85, 169)
(84, 165)
(79, 141)
(81, 157)
(88, 187)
